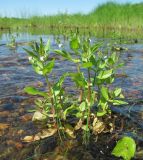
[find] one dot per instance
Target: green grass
(119, 15)
(109, 16)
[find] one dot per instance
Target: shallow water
(16, 73)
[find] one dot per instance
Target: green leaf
(102, 64)
(114, 57)
(79, 115)
(69, 110)
(56, 90)
(47, 47)
(110, 80)
(32, 54)
(64, 54)
(87, 65)
(79, 79)
(38, 70)
(34, 91)
(110, 61)
(125, 148)
(104, 92)
(48, 67)
(93, 60)
(41, 47)
(75, 60)
(117, 91)
(85, 128)
(75, 43)
(103, 104)
(82, 106)
(36, 47)
(62, 78)
(119, 102)
(101, 113)
(67, 56)
(121, 96)
(38, 63)
(120, 65)
(105, 74)
(95, 47)
(57, 87)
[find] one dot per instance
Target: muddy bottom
(99, 148)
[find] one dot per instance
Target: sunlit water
(16, 73)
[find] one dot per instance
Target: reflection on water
(16, 72)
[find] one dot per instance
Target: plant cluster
(93, 79)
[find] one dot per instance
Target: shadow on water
(16, 73)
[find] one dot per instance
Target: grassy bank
(109, 16)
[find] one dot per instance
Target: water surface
(16, 73)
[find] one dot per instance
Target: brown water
(16, 73)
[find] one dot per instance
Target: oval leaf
(105, 74)
(104, 92)
(48, 67)
(34, 91)
(75, 43)
(125, 148)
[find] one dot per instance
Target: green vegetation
(88, 112)
(12, 42)
(125, 148)
(91, 108)
(109, 16)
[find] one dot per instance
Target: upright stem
(89, 88)
(50, 95)
(80, 89)
(61, 101)
(58, 120)
(89, 97)
(80, 95)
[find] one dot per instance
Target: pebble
(4, 126)
(26, 117)
(20, 132)
(4, 114)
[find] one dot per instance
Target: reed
(109, 16)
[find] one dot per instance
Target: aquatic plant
(94, 86)
(12, 42)
(93, 79)
(49, 107)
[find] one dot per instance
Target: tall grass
(107, 16)
(115, 14)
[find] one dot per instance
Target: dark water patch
(7, 107)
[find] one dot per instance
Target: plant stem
(50, 95)
(80, 95)
(80, 89)
(89, 88)
(89, 95)
(58, 119)
(61, 101)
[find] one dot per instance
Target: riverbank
(124, 19)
